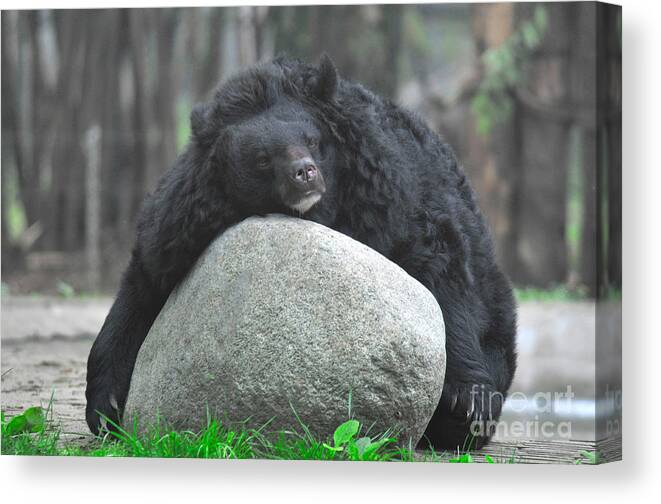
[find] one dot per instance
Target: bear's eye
(313, 142)
(263, 161)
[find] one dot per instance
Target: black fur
(388, 181)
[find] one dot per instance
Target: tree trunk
(247, 36)
(545, 117)
(609, 118)
(163, 127)
(371, 39)
(208, 73)
(92, 147)
(584, 91)
(492, 162)
(11, 154)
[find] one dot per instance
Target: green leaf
(16, 425)
(352, 451)
(372, 448)
(489, 459)
(331, 448)
(345, 432)
(591, 457)
(362, 444)
(31, 420)
(530, 35)
(540, 18)
(35, 416)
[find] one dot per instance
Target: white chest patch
(306, 202)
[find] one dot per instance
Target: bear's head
(264, 136)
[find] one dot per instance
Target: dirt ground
(45, 343)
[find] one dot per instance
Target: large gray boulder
(282, 314)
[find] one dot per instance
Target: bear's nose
(304, 170)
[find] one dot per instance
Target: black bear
(287, 137)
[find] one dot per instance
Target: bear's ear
(324, 85)
(198, 119)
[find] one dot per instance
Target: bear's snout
(302, 173)
(301, 180)
(304, 170)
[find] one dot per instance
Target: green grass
(613, 294)
(35, 432)
(563, 293)
(559, 293)
(588, 458)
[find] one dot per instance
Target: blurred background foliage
(95, 107)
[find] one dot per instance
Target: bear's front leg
(466, 416)
(113, 354)
(472, 397)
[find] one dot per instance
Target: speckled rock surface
(281, 313)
